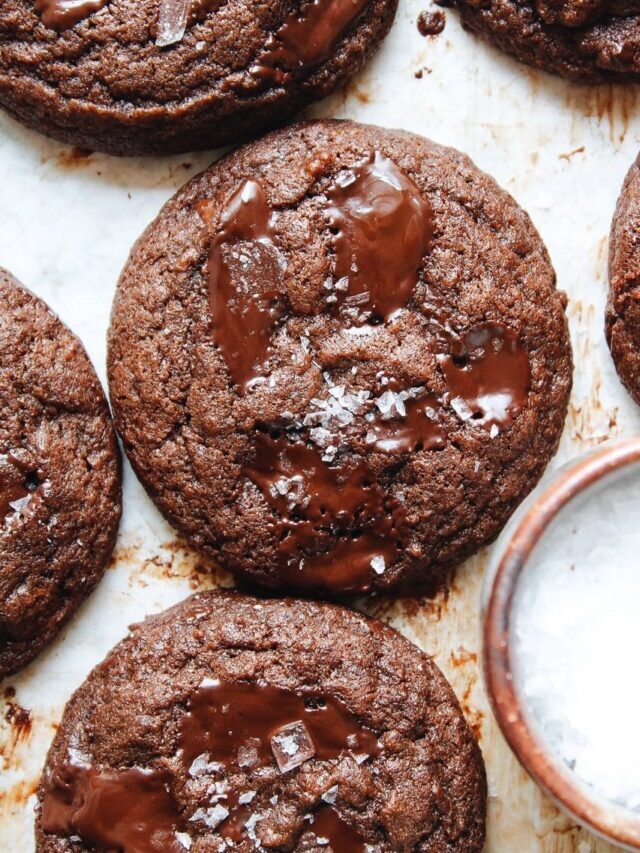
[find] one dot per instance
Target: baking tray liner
(67, 222)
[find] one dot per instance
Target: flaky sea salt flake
(201, 766)
(292, 746)
(212, 817)
(248, 753)
(172, 21)
(461, 409)
(378, 564)
(330, 795)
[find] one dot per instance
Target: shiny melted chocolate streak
(64, 14)
(22, 488)
(328, 826)
(245, 270)
(383, 227)
(228, 724)
(132, 810)
(489, 371)
(333, 524)
(332, 519)
(417, 430)
(306, 38)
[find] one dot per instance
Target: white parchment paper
(68, 222)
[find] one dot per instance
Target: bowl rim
(607, 820)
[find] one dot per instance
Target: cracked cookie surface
(59, 476)
(584, 40)
(622, 324)
(231, 722)
(123, 76)
(338, 360)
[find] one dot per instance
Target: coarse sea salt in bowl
(561, 623)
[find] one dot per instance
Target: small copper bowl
(510, 558)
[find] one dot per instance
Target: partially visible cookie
(623, 307)
(59, 476)
(163, 76)
(235, 723)
(338, 360)
(588, 40)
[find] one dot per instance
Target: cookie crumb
(431, 23)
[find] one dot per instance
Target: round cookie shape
(622, 325)
(278, 724)
(338, 361)
(60, 498)
(164, 76)
(584, 40)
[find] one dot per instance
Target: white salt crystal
(330, 795)
(172, 21)
(248, 753)
(461, 409)
(202, 766)
(247, 797)
(378, 565)
(391, 405)
(212, 817)
(184, 838)
(292, 746)
(575, 638)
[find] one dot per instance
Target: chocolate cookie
(338, 360)
(233, 722)
(162, 76)
(623, 308)
(59, 476)
(589, 40)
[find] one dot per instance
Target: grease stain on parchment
(173, 561)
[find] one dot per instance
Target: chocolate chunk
(146, 755)
(352, 378)
(136, 77)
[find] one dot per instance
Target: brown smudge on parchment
(174, 561)
(19, 720)
(74, 158)
(15, 799)
(569, 154)
(466, 660)
(589, 421)
(613, 105)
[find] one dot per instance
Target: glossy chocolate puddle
(230, 731)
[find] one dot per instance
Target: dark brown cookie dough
(59, 476)
(231, 722)
(338, 360)
(623, 308)
(588, 40)
(115, 75)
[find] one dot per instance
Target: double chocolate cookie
(589, 40)
(59, 476)
(338, 360)
(162, 76)
(623, 308)
(231, 722)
